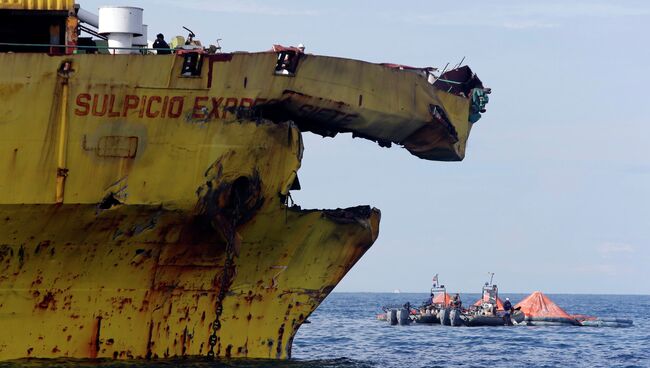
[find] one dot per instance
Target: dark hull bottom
(428, 319)
(550, 321)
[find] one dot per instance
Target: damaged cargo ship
(144, 205)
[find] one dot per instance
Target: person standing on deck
(161, 45)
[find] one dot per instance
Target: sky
(554, 191)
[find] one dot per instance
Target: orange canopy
(499, 303)
(442, 298)
(539, 305)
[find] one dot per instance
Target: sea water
(344, 332)
(343, 327)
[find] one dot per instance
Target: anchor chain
(227, 266)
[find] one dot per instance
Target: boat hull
(427, 319)
(139, 206)
(132, 282)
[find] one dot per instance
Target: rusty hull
(116, 280)
(138, 282)
(127, 189)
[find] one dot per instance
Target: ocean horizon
(474, 292)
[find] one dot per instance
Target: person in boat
(455, 302)
(507, 307)
(161, 46)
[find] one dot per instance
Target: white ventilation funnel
(141, 41)
(120, 24)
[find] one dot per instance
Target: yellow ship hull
(145, 214)
(139, 282)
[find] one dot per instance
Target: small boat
(605, 322)
(542, 311)
(535, 310)
(499, 319)
(402, 315)
(427, 319)
(433, 308)
(428, 313)
(489, 310)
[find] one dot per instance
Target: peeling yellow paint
(123, 257)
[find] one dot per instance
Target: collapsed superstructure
(143, 201)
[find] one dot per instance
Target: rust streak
(94, 340)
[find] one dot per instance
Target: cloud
(609, 250)
(484, 20)
(598, 269)
(523, 24)
(523, 15)
(243, 7)
(563, 9)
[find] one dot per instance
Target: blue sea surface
(345, 327)
(344, 333)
